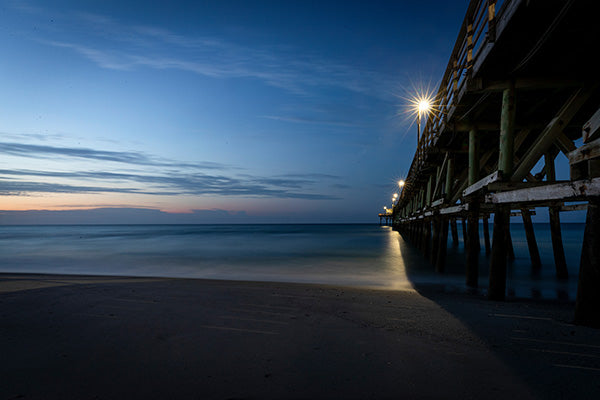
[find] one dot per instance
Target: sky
(213, 111)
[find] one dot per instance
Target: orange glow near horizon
(256, 207)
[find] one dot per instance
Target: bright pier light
(424, 106)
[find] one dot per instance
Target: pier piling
(454, 230)
(534, 254)
(436, 225)
(497, 285)
(472, 245)
(486, 234)
(587, 307)
(440, 262)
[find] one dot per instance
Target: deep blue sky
(275, 111)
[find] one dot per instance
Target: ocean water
(356, 255)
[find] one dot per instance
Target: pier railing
(478, 29)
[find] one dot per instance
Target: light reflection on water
(394, 262)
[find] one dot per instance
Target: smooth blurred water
(357, 255)
(364, 255)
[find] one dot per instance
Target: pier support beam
(534, 253)
(497, 286)
(587, 306)
(474, 203)
(486, 234)
(472, 245)
(507, 132)
(473, 157)
(454, 230)
(510, 250)
(560, 261)
(426, 237)
(440, 262)
(435, 245)
(449, 178)
(557, 244)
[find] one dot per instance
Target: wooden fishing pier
(520, 88)
(386, 218)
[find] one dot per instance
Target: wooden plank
(519, 213)
(454, 209)
(437, 203)
(562, 191)
(573, 207)
(504, 186)
(481, 184)
(585, 152)
(591, 129)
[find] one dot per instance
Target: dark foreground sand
(72, 337)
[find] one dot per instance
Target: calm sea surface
(358, 255)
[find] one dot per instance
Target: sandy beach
(80, 337)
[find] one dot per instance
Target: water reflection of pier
(519, 92)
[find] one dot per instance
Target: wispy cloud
(311, 121)
(165, 180)
(45, 151)
(115, 45)
(20, 188)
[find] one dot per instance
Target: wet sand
(77, 337)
